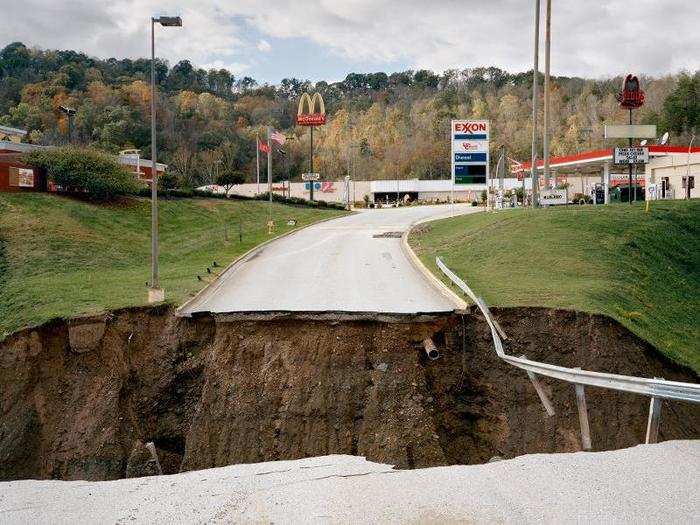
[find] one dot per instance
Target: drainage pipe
(430, 349)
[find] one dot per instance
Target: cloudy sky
(326, 39)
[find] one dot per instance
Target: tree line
(379, 125)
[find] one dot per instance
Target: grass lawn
(641, 269)
(61, 257)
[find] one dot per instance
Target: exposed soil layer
(80, 399)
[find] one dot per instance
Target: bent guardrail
(657, 389)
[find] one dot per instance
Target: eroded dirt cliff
(78, 399)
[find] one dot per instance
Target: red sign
(312, 110)
(311, 119)
(470, 127)
(631, 96)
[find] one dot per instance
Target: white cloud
(234, 67)
(588, 38)
(264, 46)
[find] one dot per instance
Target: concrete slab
(645, 484)
(343, 265)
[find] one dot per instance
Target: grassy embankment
(641, 269)
(61, 257)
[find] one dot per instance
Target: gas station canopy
(593, 162)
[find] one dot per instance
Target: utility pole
(535, 104)
(547, 49)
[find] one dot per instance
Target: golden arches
(310, 102)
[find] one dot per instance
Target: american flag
(278, 137)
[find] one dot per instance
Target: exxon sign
(471, 127)
(470, 152)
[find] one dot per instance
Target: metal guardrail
(657, 389)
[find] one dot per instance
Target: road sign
(470, 151)
(630, 131)
(553, 197)
(310, 176)
(633, 155)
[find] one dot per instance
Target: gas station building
(666, 174)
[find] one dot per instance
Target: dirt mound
(210, 393)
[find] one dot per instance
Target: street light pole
(155, 292)
(535, 97)
(70, 113)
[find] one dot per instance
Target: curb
(418, 264)
(180, 310)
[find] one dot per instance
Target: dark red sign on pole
(631, 96)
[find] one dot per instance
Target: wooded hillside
(394, 125)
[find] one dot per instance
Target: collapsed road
(142, 391)
(352, 264)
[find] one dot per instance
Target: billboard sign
(470, 151)
(632, 155)
(310, 176)
(630, 131)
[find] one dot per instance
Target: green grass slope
(643, 269)
(61, 257)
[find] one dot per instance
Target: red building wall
(10, 164)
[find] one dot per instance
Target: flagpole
(269, 163)
(257, 161)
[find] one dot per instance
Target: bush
(474, 203)
(296, 201)
(84, 170)
(578, 197)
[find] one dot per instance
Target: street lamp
(155, 292)
(70, 112)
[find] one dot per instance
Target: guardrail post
(540, 391)
(654, 418)
(653, 422)
(583, 416)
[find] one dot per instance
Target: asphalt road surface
(645, 484)
(334, 266)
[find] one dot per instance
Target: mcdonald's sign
(312, 116)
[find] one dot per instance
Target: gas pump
(598, 193)
(499, 199)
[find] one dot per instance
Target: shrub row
(193, 193)
(84, 170)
